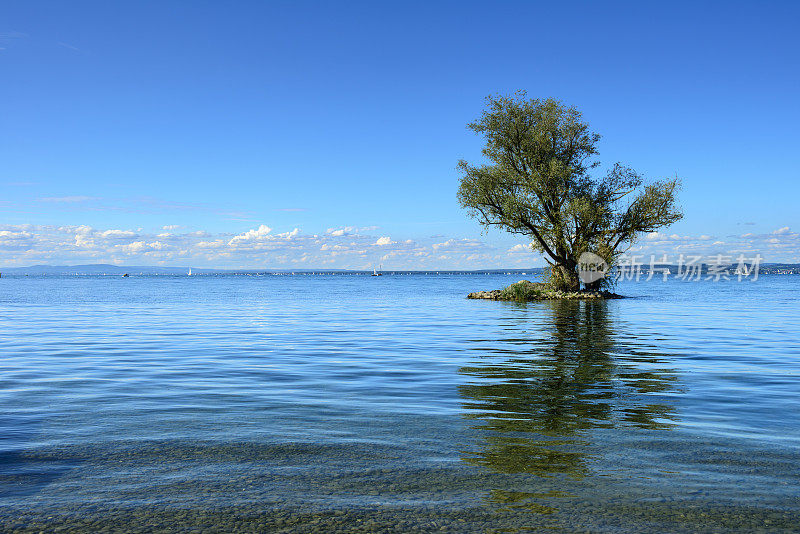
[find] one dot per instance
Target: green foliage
(522, 291)
(539, 183)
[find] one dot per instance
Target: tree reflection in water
(539, 397)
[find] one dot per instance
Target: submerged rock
(490, 295)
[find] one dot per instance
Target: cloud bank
(340, 248)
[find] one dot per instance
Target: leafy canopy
(539, 183)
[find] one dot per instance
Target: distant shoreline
(139, 270)
(132, 273)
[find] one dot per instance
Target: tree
(539, 183)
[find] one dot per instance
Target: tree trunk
(565, 278)
(597, 285)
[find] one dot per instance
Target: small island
(538, 181)
(525, 290)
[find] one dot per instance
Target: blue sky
(267, 134)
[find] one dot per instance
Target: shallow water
(352, 403)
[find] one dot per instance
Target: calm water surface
(353, 403)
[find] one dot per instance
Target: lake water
(353, 403)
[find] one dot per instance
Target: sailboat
(190, 272)
(376, 273)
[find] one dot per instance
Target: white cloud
(82, 241)
(516, 249)
(289, 235)
(459, 244)
(260, 233)
(117, 233)
(349, 230)
(83, 229)
(14, 235)
(261, 247)
(210, 244)
(142, 246)
(781, 245)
